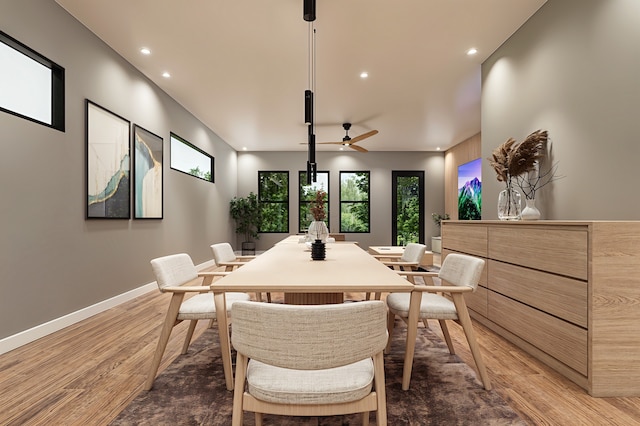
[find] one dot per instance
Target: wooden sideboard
(566, 292)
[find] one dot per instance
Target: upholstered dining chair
(224, 255)
(176, 274)
(408, 261)
(309, 360)
(458, 274)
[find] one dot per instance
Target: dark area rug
(444, 391)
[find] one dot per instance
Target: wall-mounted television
(470, 190)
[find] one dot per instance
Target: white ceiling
(241, 66)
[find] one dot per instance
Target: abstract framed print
(108, 164)
(147, 174)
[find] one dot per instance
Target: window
(307, 194)
(273, 196)
(354, 202)
(31, 86)
(191, 160)
(407, 200)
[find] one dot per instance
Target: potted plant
(436, 242)
(248, 216)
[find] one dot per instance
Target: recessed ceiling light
(437, 148)
(145, 51)
(341, 149)
(244, 148)
(472, 51)
(166, 74)
(364, 74)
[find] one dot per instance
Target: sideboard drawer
(560, 251)
(477, 301)
(469, 239)
(562, 297)
(564, 341)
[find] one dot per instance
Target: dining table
(287, 267)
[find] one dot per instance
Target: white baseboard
(27, 336)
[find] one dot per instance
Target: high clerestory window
(31, 86)
(189, 159)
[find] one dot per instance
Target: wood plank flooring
(87, 373)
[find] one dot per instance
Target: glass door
(407, 207)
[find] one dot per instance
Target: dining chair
(459, 274)
(176, 274)
(224, 256)
(408, 261)
(309, 360)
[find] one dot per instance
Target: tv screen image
(470, 190)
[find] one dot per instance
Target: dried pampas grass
(511, 159)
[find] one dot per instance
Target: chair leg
(412, 334)
(268, 297)
(258, 419)
(365, 418)
(258, 296)
(381, 395)
(169, 323)
(467, 326)
(238, 392)
(391, 321)
(187, 339)
(447, 336)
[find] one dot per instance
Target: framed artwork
(108, 164)
(470, 190)
(147, 174)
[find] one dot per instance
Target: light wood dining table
(287, 267)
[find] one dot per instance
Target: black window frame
(368, 202)
(285, 202)
(302, 181)
(57, 84)
(195, 148)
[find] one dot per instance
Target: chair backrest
(461, 270)
(173, 270)
(309, 337)
(413, 252)
(223, 252)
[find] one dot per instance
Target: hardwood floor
(87, 373)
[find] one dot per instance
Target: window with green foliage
(354, 202)
(407, 200)
(189, 159)
(273, 193)
(308, 194)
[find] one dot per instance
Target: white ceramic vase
(530, 212)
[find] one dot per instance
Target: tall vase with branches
(510, 161)
(318, 229)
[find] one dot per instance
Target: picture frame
(470, 190)
(148, 176)
(108, 164)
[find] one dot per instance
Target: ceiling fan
(349, 141)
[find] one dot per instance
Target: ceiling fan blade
(364, 136)
(358, 148)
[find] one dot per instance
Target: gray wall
(52, 260)
(380, 164)
(572, 69)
